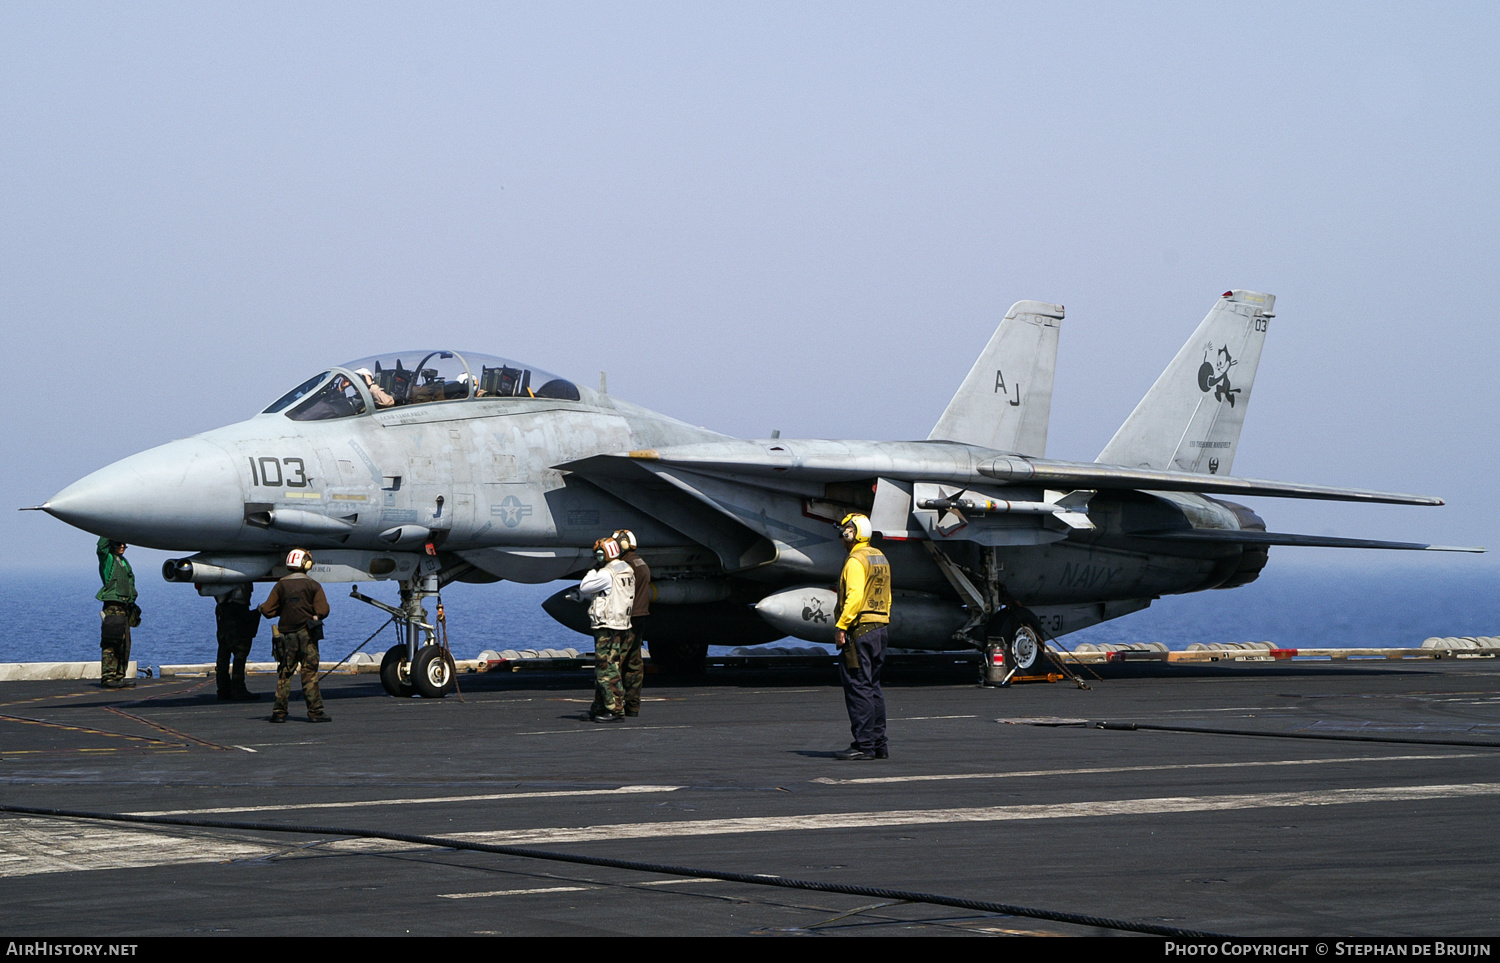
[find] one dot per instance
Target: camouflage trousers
(292, 650)
(632, 672)
(610, 648)
(114, 653)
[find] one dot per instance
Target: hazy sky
(739, 209)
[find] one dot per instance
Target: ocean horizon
(1303, 602)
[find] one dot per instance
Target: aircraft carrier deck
(1383, 827)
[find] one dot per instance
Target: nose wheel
(395, 673)
(433, 672)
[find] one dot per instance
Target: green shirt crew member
(119, 614)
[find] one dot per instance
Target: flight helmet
(606, 550)
(859, 523)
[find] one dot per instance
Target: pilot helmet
(606, 550)
(626, 538)
(299, 560)
(859, 523)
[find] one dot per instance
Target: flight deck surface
(1247, 835)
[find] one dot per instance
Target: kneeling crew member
(864, 615)
(300, 602)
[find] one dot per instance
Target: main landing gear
(1006, 634)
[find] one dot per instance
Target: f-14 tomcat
(429, 467)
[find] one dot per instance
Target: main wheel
(1026, 649)
(433, 672)
(395, 673)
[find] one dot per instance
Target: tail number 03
(267, 472)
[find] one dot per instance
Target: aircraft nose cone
(177, 497)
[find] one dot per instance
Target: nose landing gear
(421, 666)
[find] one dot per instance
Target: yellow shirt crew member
(864, 615)
(864, 589)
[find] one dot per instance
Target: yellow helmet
(861, 525)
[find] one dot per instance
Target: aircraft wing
(952, 463)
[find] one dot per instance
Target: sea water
(1299, 603)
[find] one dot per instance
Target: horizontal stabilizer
(1062, 475)
(1280, 538)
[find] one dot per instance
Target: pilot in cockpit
(382, 397)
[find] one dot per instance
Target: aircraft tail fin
(1190, 420)
(1006, 401)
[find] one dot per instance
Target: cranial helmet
(609, 547)
(861, 525)
(626, 538)
(299, 560)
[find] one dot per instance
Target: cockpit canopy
(417, 378)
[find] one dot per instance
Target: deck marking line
(977, 814)
(622, 791)
(167, 729)
(88, 729)
(517, 892)
(31, 845)
(872, 780)
(685, 879)
(557, 732)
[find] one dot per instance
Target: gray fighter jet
(428, 467)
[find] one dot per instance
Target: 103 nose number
(268, 472)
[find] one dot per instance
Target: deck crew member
(119, 615)
(237, 624)
(610, 589)
(860, 633)
(632, 669)
(300, 602)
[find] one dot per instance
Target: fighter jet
(426, 467)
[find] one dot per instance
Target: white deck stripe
(30, 846)
(517, 892)
(971, 814)
(872, 780)
(413, 801)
